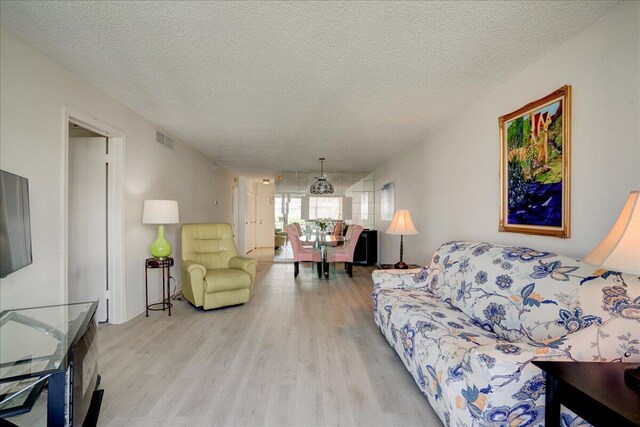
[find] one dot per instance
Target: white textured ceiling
(262, 86)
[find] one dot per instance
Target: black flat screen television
(15, 223)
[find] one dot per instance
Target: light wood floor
(283, 253)
(302, 352)
(262, 254)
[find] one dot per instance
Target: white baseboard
(142, 309)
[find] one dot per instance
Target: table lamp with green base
(620, 251)
(160, 212)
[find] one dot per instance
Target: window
(294, 209)
(325, 207)
(288, 209)
(279, 211)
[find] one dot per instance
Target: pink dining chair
(337, 229)
(301, 253)
(298, 229)
(345, 253)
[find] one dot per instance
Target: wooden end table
(165, 264)
(595, 391)
(381, 266)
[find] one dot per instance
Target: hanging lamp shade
(321, 185)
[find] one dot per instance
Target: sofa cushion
(430, 336)
(521, 294)
(430, 315)
(226, 279)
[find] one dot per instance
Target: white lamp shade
(402, 223)
(160, 212)
(620, 249)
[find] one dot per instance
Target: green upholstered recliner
(213, 275)
(280, 239)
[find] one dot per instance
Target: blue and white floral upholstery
(468, 326)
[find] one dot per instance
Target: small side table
(595, 391)
(381, 266)
(165, 264)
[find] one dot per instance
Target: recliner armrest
(191, 266)
(193, 282)
(246, 264)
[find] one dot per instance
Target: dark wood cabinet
(366, 252)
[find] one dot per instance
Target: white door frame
(115, 214)
(234, 214)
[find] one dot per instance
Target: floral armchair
(468, 327)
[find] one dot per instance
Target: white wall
(407, 171)
(450, 183)
(34, 92)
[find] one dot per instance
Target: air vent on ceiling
(165, 140)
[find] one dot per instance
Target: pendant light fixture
(321, 185)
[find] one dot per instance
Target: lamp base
(632, 377)
(401, 266)
(160, 248)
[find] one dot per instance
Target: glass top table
(328, 240)
(36, 343)
(324, 243)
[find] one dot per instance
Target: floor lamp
(402, 224)
(620, 251)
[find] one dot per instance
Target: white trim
(116, 214)
(116, 249)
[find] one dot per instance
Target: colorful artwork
(534, 166)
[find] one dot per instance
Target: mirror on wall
(354, 198)
(387, 201)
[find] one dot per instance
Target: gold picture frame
(535, 167)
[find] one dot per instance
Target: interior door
(235, 215)
(265, 221)
(250, 216)
(87, 222)
(254, 221)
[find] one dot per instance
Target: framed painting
(535, 148)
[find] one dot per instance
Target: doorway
(250, 221)
(234, 214)
(88, 227)
(94, 231)
(288, 209)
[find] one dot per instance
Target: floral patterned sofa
(468, 326)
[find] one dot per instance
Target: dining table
(324, 243)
